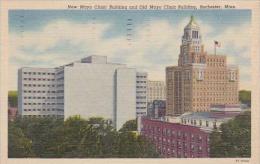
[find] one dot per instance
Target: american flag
(217, 43)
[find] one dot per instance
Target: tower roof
(192, 23)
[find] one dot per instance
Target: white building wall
(125, 96)
(90, 90)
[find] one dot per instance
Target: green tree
(12, 98)
(94, 137)
(132, 145)
(245, 97)
(76, 138)
(18, 144)
(47, 137)
(234, 140)
(216, 144)
(130, 125)
(76, 132)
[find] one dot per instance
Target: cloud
(150, 47)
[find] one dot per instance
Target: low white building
(207, 120)
(90, 87)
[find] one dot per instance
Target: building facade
(200, 80)
(141, 93)
(156, 109)
(89, 87)
(37, 92)
(208, 121)
(174, 140)
(156, 90)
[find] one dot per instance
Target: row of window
(140, 97)
(174, 143)
(140, 107)
(38, 79)
(194, 122)
(141, 76)
(43, 103)
(53, 109)
(215, 64)
(141, 82)
(216, 60)
(38, 97)
(166, 141)
(141, 113)
(140, 91)
(156, 94)
(156, 84)
(60, 97)
(38, 73)
(43, 116)
(169, 132)
(140, 102)
(140, 86)
(38, 85)
(39, 103)
(212, 99)
(171, 141)
(38, 91)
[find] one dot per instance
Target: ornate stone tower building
(200, 79)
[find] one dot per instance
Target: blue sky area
(150, 41)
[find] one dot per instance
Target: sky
(146, 40)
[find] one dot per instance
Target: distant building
(156, 90)
(200, 80)
(174, 140)
(89, 87)
(156, 109)
(141, 93)
(208, 121)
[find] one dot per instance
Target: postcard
(130, 81)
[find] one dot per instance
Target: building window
(232, 76)
(200, 75)
(195, 34)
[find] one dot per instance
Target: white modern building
(141, 94)
(37, 92)
(156, 90)
(90, 87)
